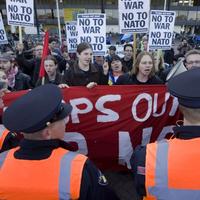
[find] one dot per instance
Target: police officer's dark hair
(50, 57)
(128, 45)
(83, 46)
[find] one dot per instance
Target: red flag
(44, 54)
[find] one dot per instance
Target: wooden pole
(134, 47)
(20, 34)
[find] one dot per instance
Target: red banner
(107, 123)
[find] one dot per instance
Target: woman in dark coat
(142, 73)
(52, 74)
(16, 80)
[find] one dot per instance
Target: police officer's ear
(46, 134)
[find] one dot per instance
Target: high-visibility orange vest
(3, 134)
(57, 177)
(173, 170)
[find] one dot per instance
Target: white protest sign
(71, 36)
(20, 12)
(134, 16)
(161, 29)
(3, 37)
(92, 29)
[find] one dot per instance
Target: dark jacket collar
(187, 132)
(39, 149)
(57, 80)
(77, 70)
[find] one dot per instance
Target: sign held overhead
(72, 35)
(92, 29)
(20, 12)
(161, 29)
(134, 16)
(3, 37)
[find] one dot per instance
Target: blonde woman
(142, 73)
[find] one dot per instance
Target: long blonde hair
(135, 68)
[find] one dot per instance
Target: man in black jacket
(32, 66)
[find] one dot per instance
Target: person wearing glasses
(192, 59)
(127, 60)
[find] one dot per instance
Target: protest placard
(134, 16)
(72, 34)
(20, 12)
(161, 29)
(92, 29)
(3, 37)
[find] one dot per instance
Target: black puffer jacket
(128, 79)
(74, 76)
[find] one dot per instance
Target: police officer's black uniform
(42, 105)
(186, 88)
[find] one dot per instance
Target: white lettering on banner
(125, 149)
(110, 116)
(174, 107)
(125, 144)
(136, 102)
(79, 139)
(164, 132)
(155, 104)
(146, 135)
(76, 110)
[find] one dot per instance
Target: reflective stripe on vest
(3, 133)
(68, 178)
(70, 175)
(3, 157)
(159, 188)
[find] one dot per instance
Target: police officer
(42, 167)
(8, 139)
(169, 169)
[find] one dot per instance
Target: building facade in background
(187, 12)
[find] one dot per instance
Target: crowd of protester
(19, 68)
